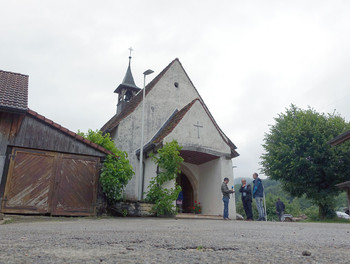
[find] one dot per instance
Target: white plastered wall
(186, 133)
(150, 172)
(211, 176)
(227, 171)
(160, 103)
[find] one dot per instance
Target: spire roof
(128, 81)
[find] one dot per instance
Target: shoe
(226, 218)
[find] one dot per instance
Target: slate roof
(128, 81)
(67, 131)
(13, 91)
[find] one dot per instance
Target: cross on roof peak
(131, 50)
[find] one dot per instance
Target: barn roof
(68, 132)
(13, 91)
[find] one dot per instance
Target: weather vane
(131, 50)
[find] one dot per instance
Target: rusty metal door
(29, 182)
(41, 182)
(76, 186)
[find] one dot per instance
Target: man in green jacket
(226, 197)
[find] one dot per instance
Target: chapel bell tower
(127, 89)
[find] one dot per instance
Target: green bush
(168, 161)
(312, 212)
(116, 170)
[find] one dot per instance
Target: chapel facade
(173, 110)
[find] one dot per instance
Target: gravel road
(160, 240)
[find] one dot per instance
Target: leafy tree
(116, 170)
(168, 161)
(299, 156)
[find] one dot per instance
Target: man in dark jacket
(280, 208)
(246, 191)
(258, 194)
(226, 197)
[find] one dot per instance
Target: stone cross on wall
(198, 126)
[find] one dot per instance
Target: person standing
(179, 201)
(280, 208)
(246, 191)
(226, 196)
(258, 193)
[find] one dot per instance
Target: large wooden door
(76, 186)
(42, 182)
(29, 182)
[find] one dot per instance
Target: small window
(176, 84)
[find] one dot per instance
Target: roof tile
(13, 91)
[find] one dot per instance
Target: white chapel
(173, 109)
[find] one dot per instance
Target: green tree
(116, 170)
(168, 161)
(297, 154)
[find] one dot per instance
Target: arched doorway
(187, 191)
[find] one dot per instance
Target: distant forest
(294, 206)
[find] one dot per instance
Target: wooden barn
(44, 167)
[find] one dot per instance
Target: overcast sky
(249, 60)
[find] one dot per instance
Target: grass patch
(200, 247)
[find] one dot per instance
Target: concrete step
(198, 216)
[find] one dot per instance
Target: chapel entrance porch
(202, 172)
(196, 180)
(187, 191)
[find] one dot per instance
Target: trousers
(247, 205)
(260, 207)
(226, 201)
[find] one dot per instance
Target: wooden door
(76, 186)
(29, 182)
(43, 182)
